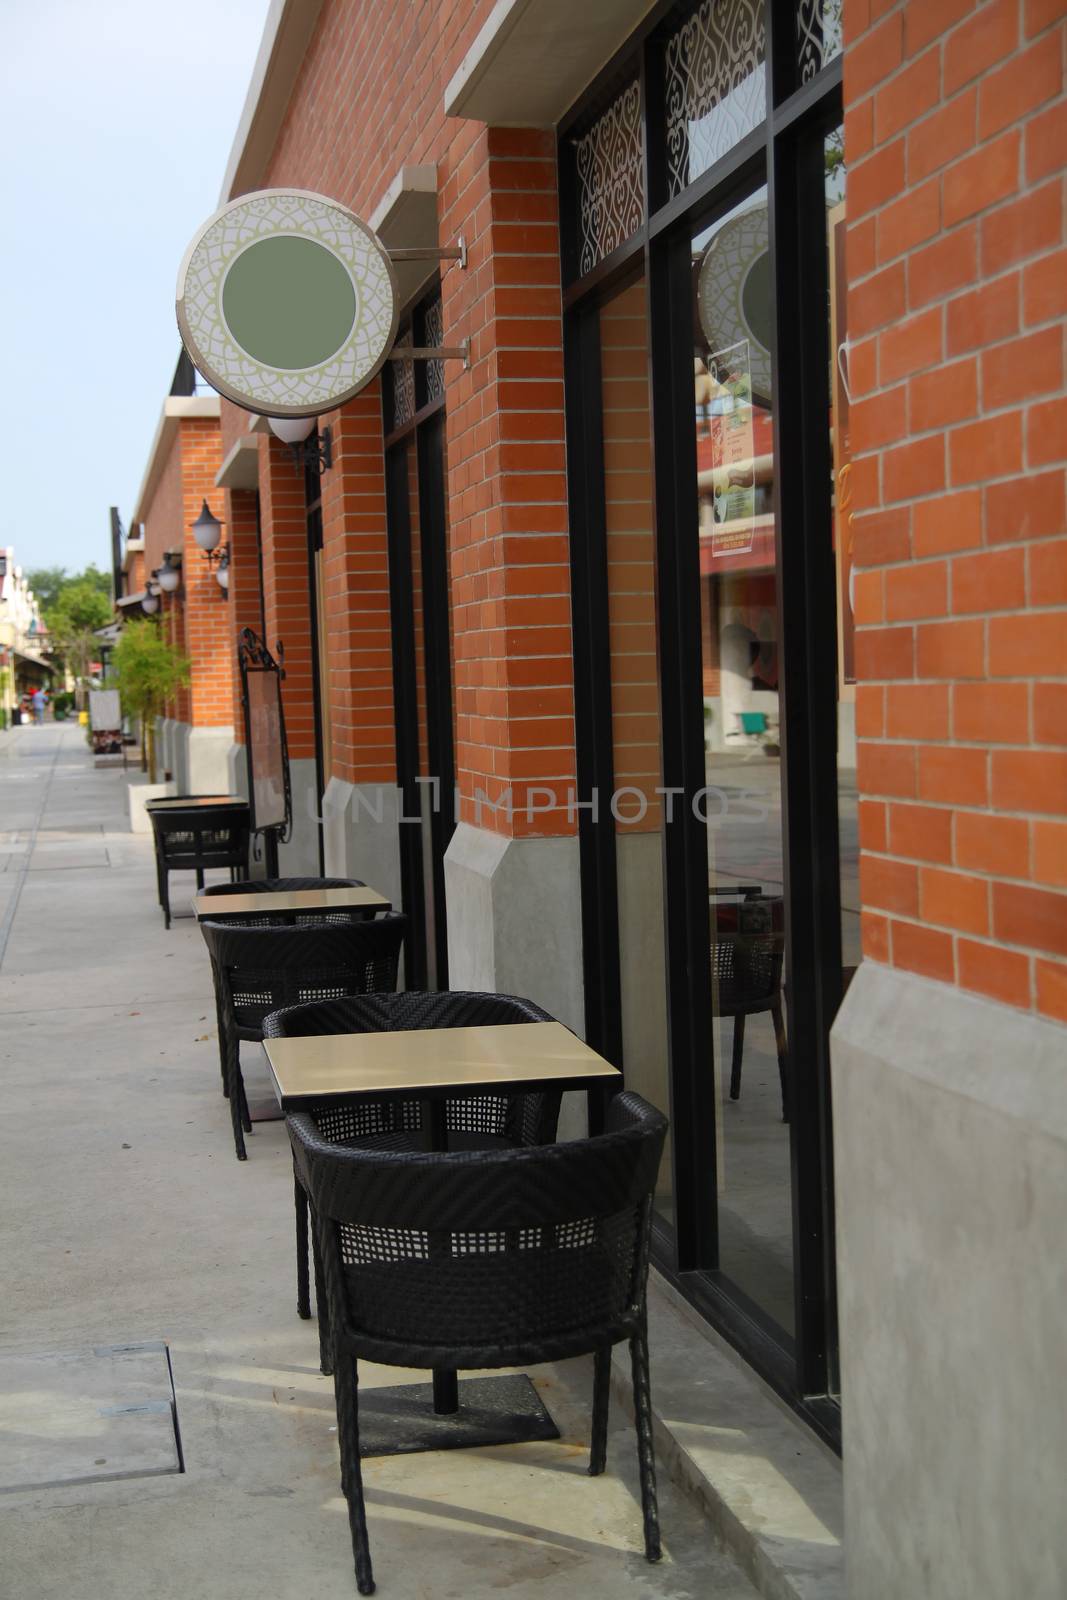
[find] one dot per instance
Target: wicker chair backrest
(488, 1252)
(263, 968)
(201, 837)
(747, 952)
(524, 1119)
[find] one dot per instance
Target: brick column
(204, 619)
(361, 807)
(950, 1142)
(510, 577)
(957, 269)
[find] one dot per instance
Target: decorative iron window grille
(403, 384)
(818, 35)
(434, 334)
(715, 85)
(609, 161)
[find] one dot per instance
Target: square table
(194, 802)
(433, 1064)
(288, 902)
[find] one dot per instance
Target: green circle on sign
(289, 302)
(756, 299)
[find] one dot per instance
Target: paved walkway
(124, 1217)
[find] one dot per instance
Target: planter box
(138, 793)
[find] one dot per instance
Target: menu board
(266, 750)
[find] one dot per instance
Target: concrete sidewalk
(125, 1218)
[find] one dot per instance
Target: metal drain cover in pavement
(79, 1416)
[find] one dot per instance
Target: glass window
(740, 667)
(818, 35)
(636, 813)
(715, 85)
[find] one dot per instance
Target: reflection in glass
(741, 686)
(834, 164)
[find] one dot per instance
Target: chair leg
(783, 1057)
(598, 1450)
(347, 1389)
(237, 1095)
(322, 1308)
(646, 1459)
(735, 1065)
(303, 1295)
(164, 895)
(199, 877)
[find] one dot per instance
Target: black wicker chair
(196, 840)
(274, 919)
(260, 970)
(479, 1122)
(747, 952)
(497, 1259)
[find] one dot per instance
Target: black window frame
(785, 153)
(424, 433)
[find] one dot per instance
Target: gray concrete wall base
(300, 857)
(164, 762)
(514, 927)
(207, 755)
(950, 1148)
(179, 735)
(362, 835)
(236, 770)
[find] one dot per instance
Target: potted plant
(149, 673)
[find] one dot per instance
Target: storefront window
(635, 807)
(741, 668)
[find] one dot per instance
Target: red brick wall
(363, 746)
(956, 126)
(286, 598)
(163, 531)
(207, 631)
(244, 602)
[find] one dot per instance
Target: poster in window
(732, 478)
(266, 749)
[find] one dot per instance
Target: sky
(117, 118)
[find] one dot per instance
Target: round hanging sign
(734, 292)
(287, 303)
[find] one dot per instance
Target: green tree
(46, 583)
(72, 621)
(150, 671)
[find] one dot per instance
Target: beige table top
(425, 1061)
(215, 906)
(194, 801)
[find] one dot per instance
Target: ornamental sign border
(251, 383)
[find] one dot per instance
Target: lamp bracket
(315, 452)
